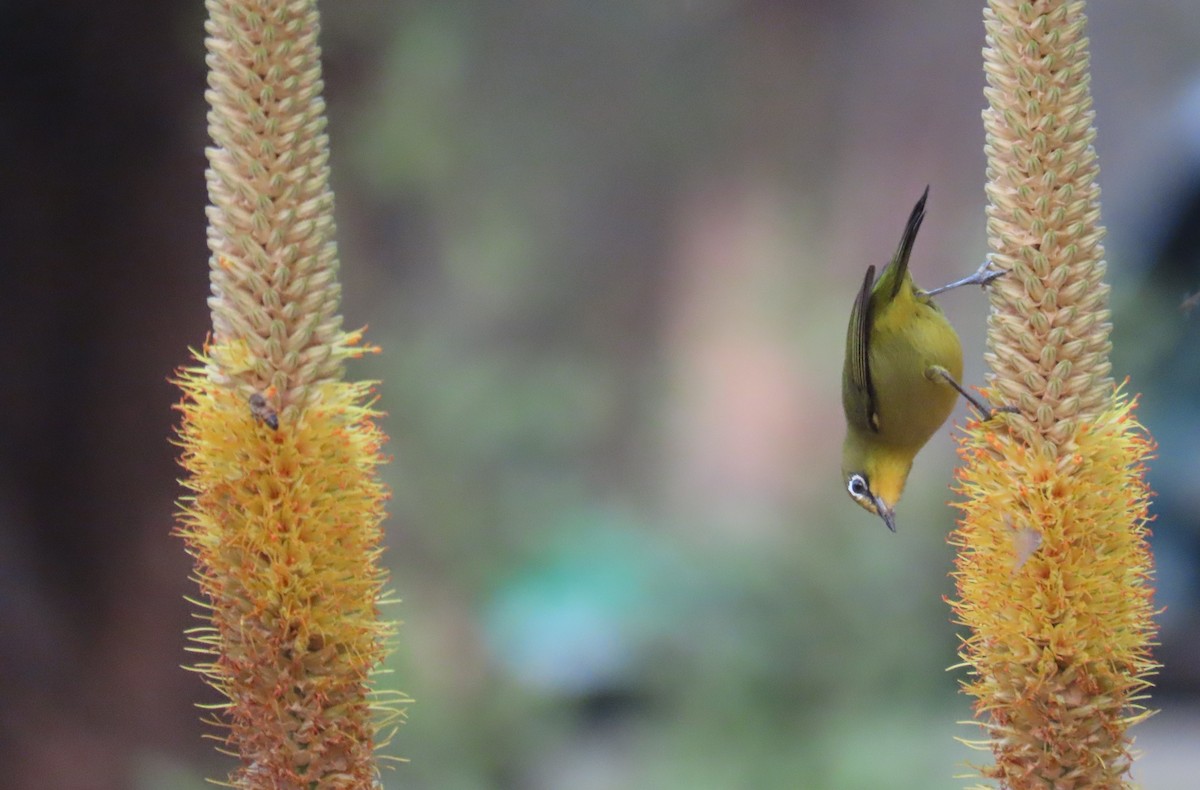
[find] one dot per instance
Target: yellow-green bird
(901, 376)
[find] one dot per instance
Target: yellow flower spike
(1053, 573)
(285, 528)
(284, 507)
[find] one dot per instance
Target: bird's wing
(858, 395)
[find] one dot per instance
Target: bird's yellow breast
(909, 335)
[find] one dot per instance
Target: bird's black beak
(886, 513)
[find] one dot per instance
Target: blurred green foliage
(609, 250)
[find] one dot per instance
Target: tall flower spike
(284, 508)
(1053, 572)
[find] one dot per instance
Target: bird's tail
(893, 276)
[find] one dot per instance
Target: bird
(901, 376)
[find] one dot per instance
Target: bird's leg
(939, 373)
(982, 276)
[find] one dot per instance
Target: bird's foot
(982, 277)
(985, 409)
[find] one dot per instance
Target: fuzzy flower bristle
(1061, 628)
(284, 526)
(1053, 572)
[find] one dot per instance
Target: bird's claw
(993, 411)
(988, 276)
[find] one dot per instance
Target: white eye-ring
(857, 486)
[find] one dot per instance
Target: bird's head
(874, 476)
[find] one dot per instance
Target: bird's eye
(857, 486)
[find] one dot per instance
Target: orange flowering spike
(1053, 571)
(284, 508)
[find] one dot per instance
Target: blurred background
(609, 250)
